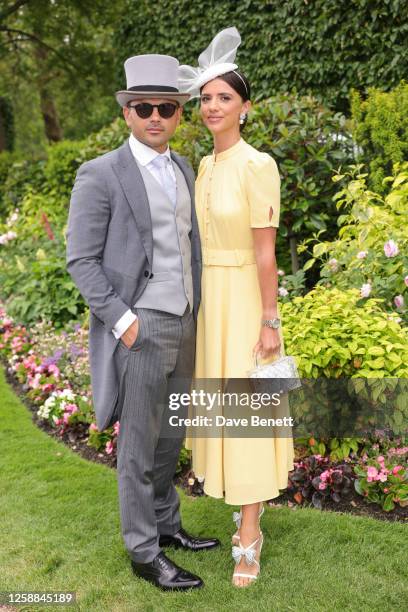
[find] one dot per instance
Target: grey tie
(162, 162)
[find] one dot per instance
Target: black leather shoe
(182, 539)
(166, 575)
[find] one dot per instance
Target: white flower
(362, 254)
(281, 273)
(365, 290)
(283, 292)
(67, 394)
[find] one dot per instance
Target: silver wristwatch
(273, 323)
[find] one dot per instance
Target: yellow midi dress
(236, 190)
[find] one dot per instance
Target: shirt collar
(144, 154)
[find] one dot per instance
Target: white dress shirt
(144, 155)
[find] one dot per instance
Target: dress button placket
(207, 206)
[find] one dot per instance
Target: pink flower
(53, 369)
(386, 489)
(66, 417)
(283, 292)
(380, 459)
(406, 280)
(333, 264)
(372, 473)
(116, 428)
(93, 427)
(382, 476)
(396, 469)
(365, 290)
(362, 254)
(109, 447)
(71, 408)
(322, 485)
(391, 248)
(399, 301)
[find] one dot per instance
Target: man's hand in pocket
(130, 335)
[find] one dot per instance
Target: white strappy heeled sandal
(249, 554)
(237, 517)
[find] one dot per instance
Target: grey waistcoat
(170, 288)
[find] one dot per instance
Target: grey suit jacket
(109, 256)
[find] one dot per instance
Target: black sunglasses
(144, 110)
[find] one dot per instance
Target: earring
(242, 118)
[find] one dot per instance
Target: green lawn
(60, 531)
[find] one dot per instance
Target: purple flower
(391, 248)
(362, 254)
(75, 350)
(399, 301)
(406, 280)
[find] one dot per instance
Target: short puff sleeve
(263, 191)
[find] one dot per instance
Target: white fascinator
(217, 59)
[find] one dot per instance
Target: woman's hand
(269, 343)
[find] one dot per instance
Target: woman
(237, 201)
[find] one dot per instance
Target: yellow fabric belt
(236, 257)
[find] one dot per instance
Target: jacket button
(147, 273)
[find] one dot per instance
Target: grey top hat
(151, 76)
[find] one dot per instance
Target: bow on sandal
(237, 517)
(249, 554)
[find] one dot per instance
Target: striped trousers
(160, 362)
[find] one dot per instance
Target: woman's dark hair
(240, 84)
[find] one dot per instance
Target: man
(133, 250)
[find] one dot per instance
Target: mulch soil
(77, 439)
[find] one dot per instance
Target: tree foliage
(56, 63)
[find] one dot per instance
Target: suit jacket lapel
(134, 188)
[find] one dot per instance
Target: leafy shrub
(6, 161)
(35, 283)
(315, 480)
(384, 480)
(371, 252)
(380, 127)
(333, 336)
(23, 176)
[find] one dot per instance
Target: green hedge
(380, 127)
(322, 47)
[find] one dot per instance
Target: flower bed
(52, 370)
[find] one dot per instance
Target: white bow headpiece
(216, 60)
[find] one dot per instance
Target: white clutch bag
(280, 376)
